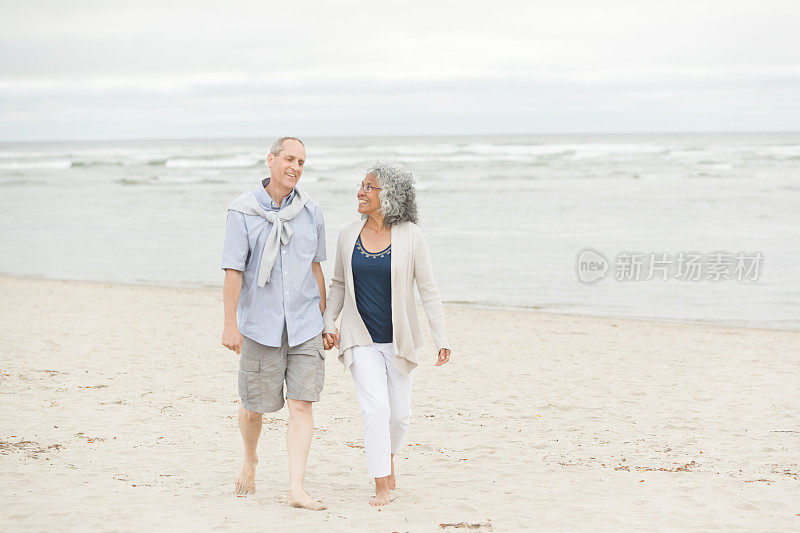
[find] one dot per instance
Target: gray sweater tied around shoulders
(280, 233)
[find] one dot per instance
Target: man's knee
(299, 407)
(249, 416)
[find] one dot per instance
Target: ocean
(506, 217)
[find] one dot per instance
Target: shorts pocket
(306, 374)
(316, 378)
(312, 346)
(320, 372)
(251, 365)
(250, 389)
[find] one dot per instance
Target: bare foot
(381, 492)
(381, 498)
(391, 479)
(302, 500)
(246, 484)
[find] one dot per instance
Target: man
(274, 243)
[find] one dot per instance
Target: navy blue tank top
(372, 281)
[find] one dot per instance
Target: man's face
(287, 167)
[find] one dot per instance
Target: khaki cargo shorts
(263, 369)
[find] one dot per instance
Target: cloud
(176, 65)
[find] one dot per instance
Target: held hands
(329, 340)
(232, 338)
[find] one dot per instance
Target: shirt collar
(267, 202)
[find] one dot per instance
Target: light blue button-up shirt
(291, 298)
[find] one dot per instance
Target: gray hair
(277, 146)
(398, 196)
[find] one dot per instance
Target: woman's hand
(329, 340)
(444, 356)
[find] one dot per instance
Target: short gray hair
(277, 146)
(398, 196)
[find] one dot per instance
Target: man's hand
(444, 356)
(329, 340)
(232, 338)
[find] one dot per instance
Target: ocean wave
(237, 162)
(132, 181)
(175, 158)
(332, 159)
(475, 152)
(361, 163)
(42, 164)
(738, 152)
(409, 149)
(172, 180)
(567, 149)
(25, 155)
(334, 163)
(471, 158)
(780, 152)
(18, 181)
(86, 164)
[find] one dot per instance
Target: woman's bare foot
(392, 480)
(302, 500)
(246, 484)
(381, 492)
(381, 498)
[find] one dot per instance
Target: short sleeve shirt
(291, 298)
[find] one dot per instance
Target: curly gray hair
(398, 196)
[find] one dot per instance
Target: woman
(377, 260)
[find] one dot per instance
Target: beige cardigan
(410, 261)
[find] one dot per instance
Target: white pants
(384, 395)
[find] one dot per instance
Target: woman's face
(368, 202)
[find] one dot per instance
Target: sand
(118, 404)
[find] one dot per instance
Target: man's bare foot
(246, 484)
(381, 498)
(302, 500)
(392, 480)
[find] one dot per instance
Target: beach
(118, 412)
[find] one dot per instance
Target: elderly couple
(274, 243)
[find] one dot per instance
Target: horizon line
(367, 135)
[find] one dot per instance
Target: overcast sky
(106, 69)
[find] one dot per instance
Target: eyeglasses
(367, 188)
